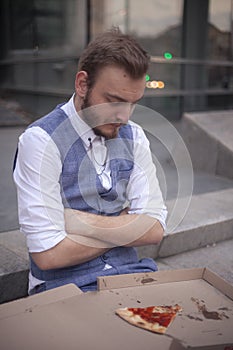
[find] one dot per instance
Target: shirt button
(104, 256)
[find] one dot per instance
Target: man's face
(110, 102)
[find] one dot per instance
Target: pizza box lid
(88, 320)
(29, 303)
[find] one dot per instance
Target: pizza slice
(153, 318)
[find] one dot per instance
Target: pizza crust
(138, 321)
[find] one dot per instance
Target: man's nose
(123, 113)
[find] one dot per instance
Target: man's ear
(81, 84)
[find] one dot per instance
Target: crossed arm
(90, 235)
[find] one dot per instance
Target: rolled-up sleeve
(36, 175)
(143, 191)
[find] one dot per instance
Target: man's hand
(124, 211)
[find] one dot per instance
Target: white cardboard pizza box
(206, 321)
(88, 320)
(83, 321)
(28, 303)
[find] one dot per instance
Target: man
(87, 187)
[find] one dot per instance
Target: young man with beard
(87, 187)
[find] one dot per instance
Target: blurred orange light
(161, 84)
(154, 84)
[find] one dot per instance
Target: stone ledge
(217, 257)
(218, 125)
(208, 220)
(13, 273)
(14, 286)
(208, 137)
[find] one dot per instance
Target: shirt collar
(84, 131)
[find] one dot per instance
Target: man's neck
(77, 103)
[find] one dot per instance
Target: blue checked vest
(81, 189)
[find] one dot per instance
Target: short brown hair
(114, 48)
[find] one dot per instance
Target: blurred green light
(168, 55)
(147, 77)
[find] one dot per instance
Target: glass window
(36, 24)
(156, 23)
(219, 43)
(219, 33)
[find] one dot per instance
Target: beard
(92, 115)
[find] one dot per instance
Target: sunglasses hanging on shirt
(98, 155)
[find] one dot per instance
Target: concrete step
(208, 137)
(8, 203)
(209, 219)
(14, 266)
(203, 182)
(208, 147)
(217, 257)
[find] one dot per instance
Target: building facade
(190, 43)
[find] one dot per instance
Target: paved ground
(217, 257)
(8, 201)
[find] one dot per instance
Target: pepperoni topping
(149, 315)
